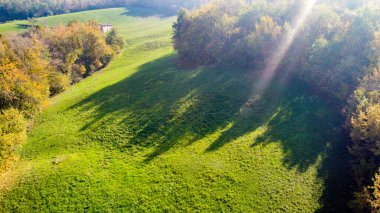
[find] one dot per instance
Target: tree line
(335, 49)
(23, 9)
(40, 63)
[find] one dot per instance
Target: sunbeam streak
(278, 56)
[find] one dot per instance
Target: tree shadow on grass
(162, 107)
(307, 135)
(24, 26)
(310, 130)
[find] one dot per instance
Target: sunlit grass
(144, 135)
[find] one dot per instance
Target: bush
(75, 45)
(115, 40)
(368, 200)
(58, 83)
(12, 135)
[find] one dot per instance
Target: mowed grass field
(143, 135)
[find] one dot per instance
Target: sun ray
(275, 60)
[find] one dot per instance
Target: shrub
(75, 45)
(115, 40)
(12, 135)
(58, 83)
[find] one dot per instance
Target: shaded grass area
(14, 26)
(144, 135)
(149, 12)
(148, 145)
(219, 100)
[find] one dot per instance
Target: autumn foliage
(365, 133)
(41, 63)
(336, 51)
(76, 50)
(24, 74)
(12, 135)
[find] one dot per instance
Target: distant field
(143, 135)
(129, 22)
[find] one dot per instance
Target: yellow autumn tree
(23, 75)
(12, 135)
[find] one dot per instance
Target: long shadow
(310, 130)
(23, 26)
(163, 107)
(159, 105)
(306, 138)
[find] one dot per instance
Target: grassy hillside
(128, 21)
(143, 135)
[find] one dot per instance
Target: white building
(106, 27)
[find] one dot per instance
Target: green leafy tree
(115, 40)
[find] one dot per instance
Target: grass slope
(143, 135)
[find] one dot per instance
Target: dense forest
(41, 63)
(23, 9)
(332, 45)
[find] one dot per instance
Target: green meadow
(144, 135)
